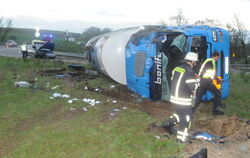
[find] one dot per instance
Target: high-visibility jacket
(183, 83)
(208, 69)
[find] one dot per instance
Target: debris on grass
(86, 88)
(62, 76)
(72, 109)
(22, 84)
(58, 95)
(112, 86)
(116, 110)
(114, 101)
(70, 101)
(84, 109)
(55, 87)
(47, 84)
(206, 136)
(112, 114)
(124, 108)
(91, 102)
(157, 137)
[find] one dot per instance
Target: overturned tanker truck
(143, 57)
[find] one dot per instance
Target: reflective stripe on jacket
(208, 69)
(183, 83)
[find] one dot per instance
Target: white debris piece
(112, 86)
(86, 88)
(97, 102)
(84, 109)
(55, 87)
(75, 99)
(116, 110)
(56, 95)
(85, 100)
(108, 100)
(51, 97)
(70, 101)
(125, 108)
(35, 79)
(22, 84)
(65, 96)
(112, 114)
(114, 101)
(97, 89)
(47, 84)
(157, 137)
(91, 102)
(72, 109)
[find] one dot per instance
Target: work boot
(218, 112)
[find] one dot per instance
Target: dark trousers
(182, 117)
(183, 112)
(207, 84)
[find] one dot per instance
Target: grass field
(33, 125)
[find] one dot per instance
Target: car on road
(11, 43)
(44, 54)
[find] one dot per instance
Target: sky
(77, 15)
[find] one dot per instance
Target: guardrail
(240, 67)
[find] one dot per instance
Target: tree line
(240, 49)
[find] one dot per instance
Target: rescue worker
(24, 50)
(183, 84)
(207, 74)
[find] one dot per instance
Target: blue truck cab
(150, 53)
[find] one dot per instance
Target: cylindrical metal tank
(108, 53)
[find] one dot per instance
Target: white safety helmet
(191, 56)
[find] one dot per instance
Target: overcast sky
(76, 15)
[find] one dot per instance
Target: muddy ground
(236, 131)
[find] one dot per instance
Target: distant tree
(208, 22)
(92, 32)
(179, 19)
(5, 28)
(239, 34)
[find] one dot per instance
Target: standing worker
(207, 74)
(24, 50)
(183, 85)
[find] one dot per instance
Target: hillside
(21, 35)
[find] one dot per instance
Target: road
(62, 56)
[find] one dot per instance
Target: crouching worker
(183, 85)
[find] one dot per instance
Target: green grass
(238, 100)
(32, 125)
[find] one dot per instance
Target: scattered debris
(116, 110)
(51, 97)
(86, 88)
(55, 87)
(91, 72)
(84, 109)
(206, 136)
(72, 109)
(62, 76)
(97, 89)
(23, 84)
(112, 114)
(58, 95)
(91, 102)
(70, 101)
(125, 108)
(157, 137)
(47, 84)
(114, 101)
(112, 86)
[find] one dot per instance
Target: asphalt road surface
(62, 56)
